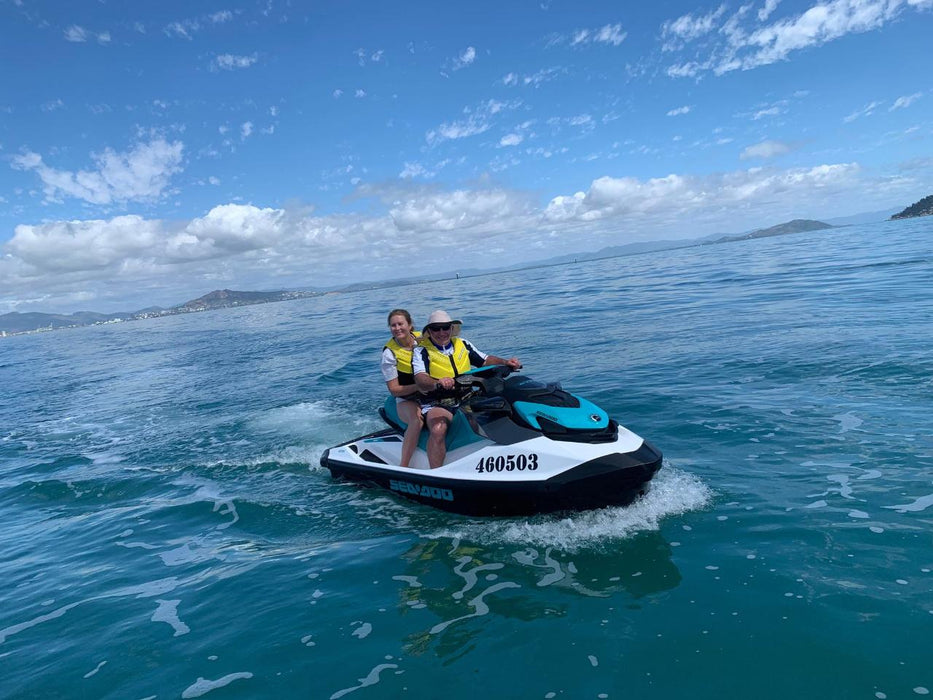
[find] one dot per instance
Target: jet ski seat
(459, 433)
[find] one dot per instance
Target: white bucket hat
(441, 316)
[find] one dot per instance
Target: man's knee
(438, 426)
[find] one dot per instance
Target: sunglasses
(440, 326)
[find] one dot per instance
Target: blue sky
(152, 152)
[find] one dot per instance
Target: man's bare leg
(437, 419)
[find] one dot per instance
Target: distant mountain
(221, 298)
(922, 208)
(25, 322)
(15, 322)
(795, 226)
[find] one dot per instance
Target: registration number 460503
(508, 463)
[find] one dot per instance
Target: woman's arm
(401, 390)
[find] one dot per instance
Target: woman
(400, 380)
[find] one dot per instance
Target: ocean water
(168, 532)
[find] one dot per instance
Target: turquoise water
(167, 531)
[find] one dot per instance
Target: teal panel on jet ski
(588, 416)
(458, 434)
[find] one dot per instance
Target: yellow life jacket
(441, 365)
(406, 375)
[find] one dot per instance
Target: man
(441, 356)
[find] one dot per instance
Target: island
(922, 208)
(795, 226)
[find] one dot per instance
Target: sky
(152, 152)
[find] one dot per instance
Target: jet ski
(516, 447)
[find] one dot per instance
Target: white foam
(410, 580)
(470, 576)
(363, 631)
(918, 505)
(673, 492)
(168, 612)
(203, 686)
(848, 421)
(530, 556)
(94, 671)
(14, 629)
(371, 679)
(315, 419)
(843, 480)
(478, 604)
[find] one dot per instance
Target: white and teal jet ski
(518, 447)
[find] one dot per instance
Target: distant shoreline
(15, 323)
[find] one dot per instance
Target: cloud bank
(254, 246)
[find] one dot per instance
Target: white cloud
(688, 27)
(183, 29)
(246, 130)
(905, 101)
(866, 111)
(767, 112)
(818, 25)
(511, 140)
(448, 211)
(477, 121)
(765, 150)
(229, 61)
(769, 7)
(141, 174)
(68, 246)
(410, 170)
(363, 56)
(449, 131)
(684, 197)
(735, 43)
(679, 110)
(466, 58)
(685, 70)
(76, 34)
(229, 229)
(607, 34)
(533, 79)
(187, 28)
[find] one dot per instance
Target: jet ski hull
(605, 477)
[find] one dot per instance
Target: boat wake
(673, 492)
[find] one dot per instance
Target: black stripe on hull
(611, 480)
